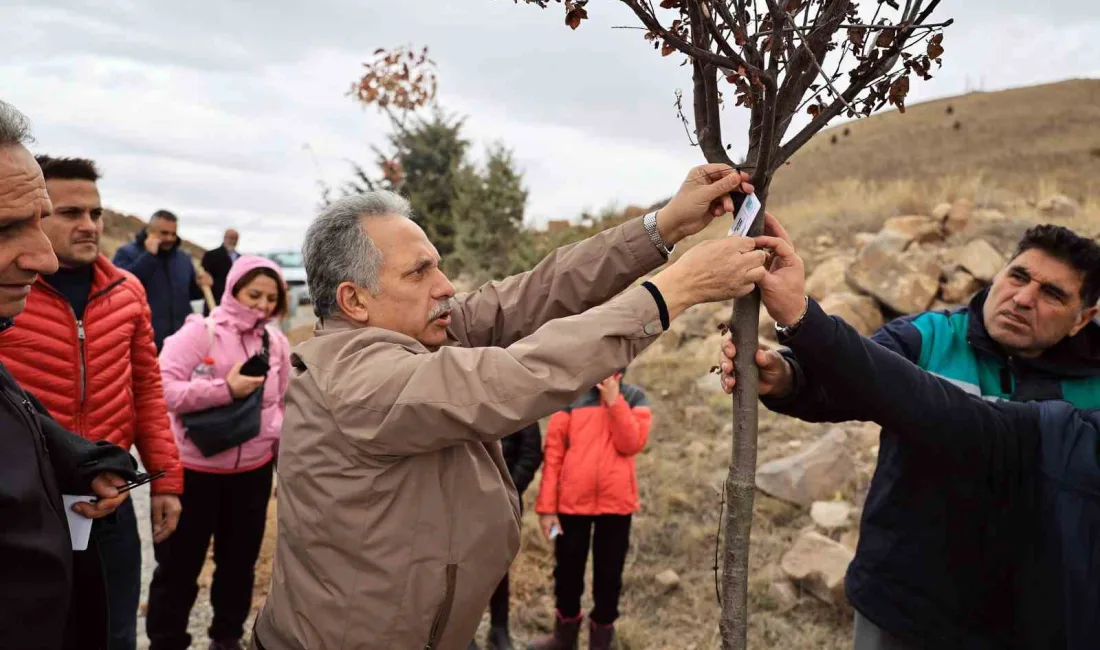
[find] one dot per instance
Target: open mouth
(443, 319)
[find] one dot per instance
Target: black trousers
(116, 539)
(233, 509)
(609, 537)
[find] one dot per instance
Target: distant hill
(1013, 138)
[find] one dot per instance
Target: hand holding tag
(746, 216)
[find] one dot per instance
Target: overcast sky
(230, 113)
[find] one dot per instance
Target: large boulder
(861, 312)
(955, 217)
(917, 228)
(1058, 205)
(831, 515)
(829, 277)
(818, 564)
(980, 259)
(960, 285)
(814, 474)
(907, 282)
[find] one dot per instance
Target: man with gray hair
(397, 515)
(38, 459)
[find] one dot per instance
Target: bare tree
(781, 58)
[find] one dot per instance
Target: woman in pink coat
(225, 495)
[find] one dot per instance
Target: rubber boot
(499, 639)
(600, 636)
(564, 636)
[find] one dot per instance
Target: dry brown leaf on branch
(575, 13)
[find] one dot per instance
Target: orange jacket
(105, 386)
(588, 465)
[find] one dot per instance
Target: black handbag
(217, 429)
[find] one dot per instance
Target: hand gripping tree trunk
(773, 53)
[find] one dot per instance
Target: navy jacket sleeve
(865, 381)
(807, 400)
(530, 456)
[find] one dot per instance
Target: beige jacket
(397, 516)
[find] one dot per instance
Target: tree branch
(708, 123)
(703, 9)
(856, 86)
(870, 28)
(814, 46)
(654, 25)
(809, 50)
(751, 53)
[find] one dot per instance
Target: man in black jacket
(523, 456)
(1032, 467)
(38, 459)
(218, 261)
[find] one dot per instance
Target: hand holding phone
(256, 366)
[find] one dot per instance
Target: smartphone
(554, 531)
(256, 366)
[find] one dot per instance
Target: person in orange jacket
(589, 492)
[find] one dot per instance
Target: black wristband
(662, 308)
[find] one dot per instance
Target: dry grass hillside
(1018, 157)
(1009, 139)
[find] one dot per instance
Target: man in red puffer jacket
(84, 347)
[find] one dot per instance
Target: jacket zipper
(30, 418)
(444, 613)
(80, 336)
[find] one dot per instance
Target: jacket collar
(105, 276)
(235, 315)
(1073, 356)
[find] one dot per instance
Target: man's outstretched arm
(864, 381)
(577, 277)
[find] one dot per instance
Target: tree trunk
(741, 480)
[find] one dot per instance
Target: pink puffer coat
(237, 336)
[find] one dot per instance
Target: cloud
(230, 113)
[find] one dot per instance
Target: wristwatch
(788, 330)
(649, 222)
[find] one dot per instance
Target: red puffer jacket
(588, 464)
(99, 377)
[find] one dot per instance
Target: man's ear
(1084, 319)
(350, 300)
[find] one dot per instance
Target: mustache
(94, 239)
(441, 309)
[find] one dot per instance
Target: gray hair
(337, 248)
(15, 128)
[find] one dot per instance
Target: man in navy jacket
(1032, 467)
(923, 575)
(166, 271)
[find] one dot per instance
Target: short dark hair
(282, 305)
(164, 214)
(1079, 252)
(69, 169)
